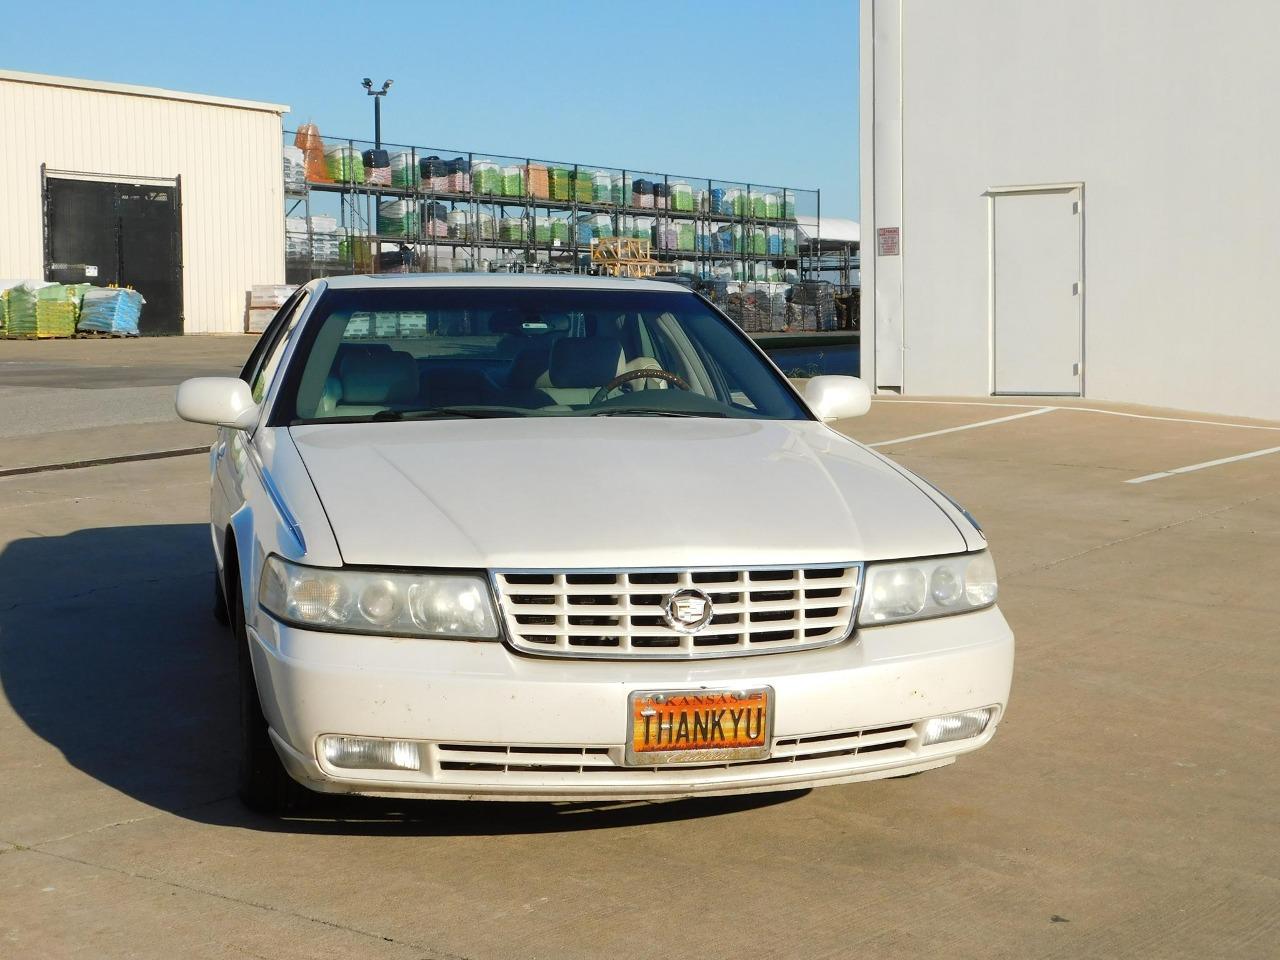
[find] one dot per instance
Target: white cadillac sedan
(566, 538)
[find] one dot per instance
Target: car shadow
(109, 652)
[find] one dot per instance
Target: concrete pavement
(1126, 808)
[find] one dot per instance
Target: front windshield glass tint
(401, 354)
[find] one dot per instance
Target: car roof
(505, 281)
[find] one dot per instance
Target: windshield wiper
(473, 413)
(657, 413)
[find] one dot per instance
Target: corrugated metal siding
(229, 160)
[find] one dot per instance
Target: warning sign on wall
(887, 241)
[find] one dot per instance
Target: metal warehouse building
(176, 194)
(1073, 200)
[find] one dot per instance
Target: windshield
(403, 353)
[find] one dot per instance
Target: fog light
(957, 726)
(361, 753)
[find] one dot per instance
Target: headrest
(389, 376)
(584, 361)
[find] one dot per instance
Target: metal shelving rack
(358, 204)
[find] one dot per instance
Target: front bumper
(499, 725)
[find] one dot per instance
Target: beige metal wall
(228, 156)
(1163, 109)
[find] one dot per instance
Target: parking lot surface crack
(240, 901)
(1050, 564)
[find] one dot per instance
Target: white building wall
(1164, 109)
(228, 154)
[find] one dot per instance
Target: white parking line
(967, 426)
(1203, 466)
(1109, 413)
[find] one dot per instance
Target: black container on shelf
(435, 210)
(432, 167)
(459, 165)
(376, 159)
(660, 190)
(641, 187)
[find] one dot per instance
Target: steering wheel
(643, 374)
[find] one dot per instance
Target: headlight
(381, 602)
(920, 589)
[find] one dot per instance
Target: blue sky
(757, 91)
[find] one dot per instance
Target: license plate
(698, 726)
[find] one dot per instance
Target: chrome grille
(849, 747)
(619, 613)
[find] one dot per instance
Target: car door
(229, 452)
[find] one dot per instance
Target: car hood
(575, 492)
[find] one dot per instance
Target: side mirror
(221, 401)
(835, 398)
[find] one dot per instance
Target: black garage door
(130, 234)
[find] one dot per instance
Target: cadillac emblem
(687, 611)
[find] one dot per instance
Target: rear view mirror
(221, 401)
(835, 398)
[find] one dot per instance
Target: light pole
(377, 108)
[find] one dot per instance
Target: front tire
(219, 600)
(263, 783)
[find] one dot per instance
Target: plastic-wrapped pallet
(759, 244)
(561, 183)
(734, 203)
(582, 228)
(681, 196)
(582, 186)
(377, 167)
(309, 142)
(620, 189)
(486, 227)
(541, 229)
(20, 316)
(56, 308)
(345, 164)
(295, 168)
(434, 174)
(684, 235)
(511, 229)
(717, 202)
(459, 225)
(665, 236)
(701, 203)
(601, 225)
(404, 171)
(459, 177)
(789, 247)
(324, 237)
(513, 181)
(536, 181)
(661, 195)
(601, 187)
(111, 310)
(397, 218)
(433, 220)
(486, 178)
(297, 241)
(642, 194)
(265, 300)
(788, 205)
(559, 230)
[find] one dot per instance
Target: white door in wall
(1037, 302)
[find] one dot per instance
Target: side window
(270, 360)
(269, 338)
